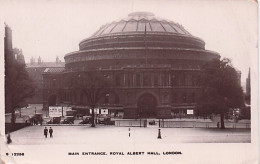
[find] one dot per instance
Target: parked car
(100, 120)
(105, 120)
(38, 117)
(35, 119)
(152, 122)
(68, 120)
(108, 121)
(86, 120)
(54, 120)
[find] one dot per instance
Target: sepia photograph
(132, 81)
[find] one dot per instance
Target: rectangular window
(147, 80)
(138, 80)
(117, 79)
(156, 82)
(173, 80)
(130, 79)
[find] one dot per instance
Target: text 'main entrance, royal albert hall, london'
(154, 64)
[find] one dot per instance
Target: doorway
(146, 106)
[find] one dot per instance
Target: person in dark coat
(51, 131)
(218, 125)
(45, 132)
(9, 140)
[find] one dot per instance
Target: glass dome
(139, 22)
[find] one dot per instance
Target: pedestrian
(40, 120)
(51, 131)
(9, 140)
(45, 132)
(218, 125)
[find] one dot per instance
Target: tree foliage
(94, 85)
(18, 87)
(221, 89)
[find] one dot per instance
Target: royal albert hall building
(153, 62)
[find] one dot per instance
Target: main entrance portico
(146, 106)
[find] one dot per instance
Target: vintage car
(54, 120)
(68, 120)
(86, 120)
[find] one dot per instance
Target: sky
(49, 28)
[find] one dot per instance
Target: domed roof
(138, 22)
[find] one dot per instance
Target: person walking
(9, 140)
(218, 125)
(51, 131)
(45, 132)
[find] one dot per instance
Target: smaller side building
(35, 71)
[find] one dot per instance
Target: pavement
(34, 148)
(84, 134)
(106, 134)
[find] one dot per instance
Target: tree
(94, 86)
(18, 87)
(221, 89)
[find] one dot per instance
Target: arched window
(107, 98)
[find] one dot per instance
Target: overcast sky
(55, 28)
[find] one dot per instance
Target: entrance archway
(146, 106)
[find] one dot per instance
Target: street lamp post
(159, 134)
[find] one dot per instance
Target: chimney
(57, 60)
(31, 61)
(39, 60)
